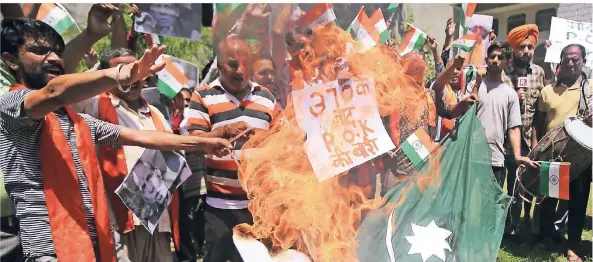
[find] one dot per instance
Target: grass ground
(527, 252)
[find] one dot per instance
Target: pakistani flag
(452, 210)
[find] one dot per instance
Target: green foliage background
(198, 53)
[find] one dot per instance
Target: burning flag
(379, 22)
(413, 42)
(453, 210)
(320, 14)
(170, 79)
(55, 16)
(364, 31)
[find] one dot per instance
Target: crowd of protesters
(58, 199)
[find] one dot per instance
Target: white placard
(343, 125)
(564, 32)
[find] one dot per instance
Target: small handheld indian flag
(170, 79)
(418, 146)
(413, 42)
(320, 14)
(466, 42)
(379, 22)
(467, 75)
(55, 16)
(467, 11)
(152, 39)
(364, 31)
(554, 178)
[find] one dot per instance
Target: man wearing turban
(528, 79)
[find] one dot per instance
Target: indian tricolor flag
(379, 22)
(418, 146)
(554, 178)
(467, 11)
(320, 14)
(466, 42)
(468, 73)
(364, 31)
(170, 79)
(152, 39)
(55, 16)
(413, 42)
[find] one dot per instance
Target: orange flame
(290, 207)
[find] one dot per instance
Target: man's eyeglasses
(43, 50)
(499, 56)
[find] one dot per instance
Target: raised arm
(97, 28)
(72, 88)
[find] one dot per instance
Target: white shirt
(140, 120)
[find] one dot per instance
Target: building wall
(577, 12)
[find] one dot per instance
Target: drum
(568, 143)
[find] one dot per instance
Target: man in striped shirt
(47, 151)
(231, 105)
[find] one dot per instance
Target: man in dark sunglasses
(498, 109)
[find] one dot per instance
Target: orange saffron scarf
(67, 220)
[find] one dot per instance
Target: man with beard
(556, 102)
(127, 108)
(528, 79)
(229, 106)
(48, 151)
(498, 110)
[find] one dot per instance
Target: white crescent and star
(428, 241)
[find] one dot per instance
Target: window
(543, 18)
(514, 21)
(495, 26)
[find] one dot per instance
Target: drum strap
(583, 102)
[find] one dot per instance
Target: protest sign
(564, 32)
(481, 24)
(179, 20)
(343, 125)
(148, 189)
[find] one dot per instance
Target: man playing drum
(555, 104)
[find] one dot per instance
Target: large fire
(290, 207)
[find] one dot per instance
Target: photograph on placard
(178, 20)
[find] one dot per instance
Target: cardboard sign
(564, 32)
(343, 125)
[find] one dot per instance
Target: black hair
(114, 53)
(496, 46)
(291, 35)
(265, 57)
(15, 31)
(583, 50)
